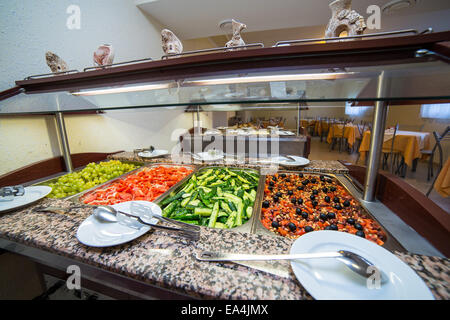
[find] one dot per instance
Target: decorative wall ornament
(343, 18)
(170, 42)
(55, 63)
(236, 39)
(104, 55)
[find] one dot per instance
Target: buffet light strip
(205, 82)
(122, 89)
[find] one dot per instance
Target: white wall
(29, 28)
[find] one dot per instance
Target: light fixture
(218, 81)
(284, 77)
(147, 87)
(396, 5)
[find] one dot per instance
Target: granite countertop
(166, 261)
(325, 166)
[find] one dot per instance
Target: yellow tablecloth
(321, 126)
(351, 133)
(442, 183)
(407, 145)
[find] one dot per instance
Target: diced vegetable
(217, 198)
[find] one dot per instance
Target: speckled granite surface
(325, 166)
(168, 262)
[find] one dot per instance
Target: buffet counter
(160, 265)
(160, 260)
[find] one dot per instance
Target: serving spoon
(353, 261)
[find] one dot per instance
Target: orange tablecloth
(408, 145)
(351, 133)
(442, 183)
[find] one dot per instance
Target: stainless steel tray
(77, 197)
(246, 227)
(391, 243)
(55, 178)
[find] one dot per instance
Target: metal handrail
(370, 35)
(261, 45)
(116, 64)
(50, 74)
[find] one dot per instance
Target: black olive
(278, 194)
(290, 192)
(270, 188)
(300, 201)
(312, 197)
(333, 227)
(283, 175)
(360, 234)
(305, 182)
(288, 180)
(266, 204)
(315, 191)
(271, 183)
(313, 180)
(308, 229)
(332, 189)
(338, 207)
(315, 203)
(322, 178)
(358, 226)
(327, 199)
(323, 216)
(305, 215)
(336, 199)
(327, 228)
(298, 211)
(292, 226)
(275, 199)
(293, 200)
(329, 180)
(300, 188)
(274, 178)
(351, 221)
(300, 175)
(275, 224)
(331, 215)
(325, 190)
(346, 203)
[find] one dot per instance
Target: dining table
(351, 133)
(408, 143)
(442, 183)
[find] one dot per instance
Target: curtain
(437, 111)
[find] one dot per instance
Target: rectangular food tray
(391, 243)
(77, 197)
(246, 227)
(55, 179)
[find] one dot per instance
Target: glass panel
(413, 81)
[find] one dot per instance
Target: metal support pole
(376, 140)
(64, 143)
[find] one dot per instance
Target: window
(355, 111)
(437, 111)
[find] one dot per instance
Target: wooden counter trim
(48, 167)
(411, 205)
(349, 53)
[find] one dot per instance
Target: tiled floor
(418, 179)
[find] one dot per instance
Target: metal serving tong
(8, 193)
(140, 212)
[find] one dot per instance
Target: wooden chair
(339, 139)
(391, 153)
(437, 147)
(361, 130)
(430, 153)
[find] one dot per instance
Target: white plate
(95, 233)
(329, 279)
(299, 161)
(205, 156)
(155, 153)
(32, 194)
